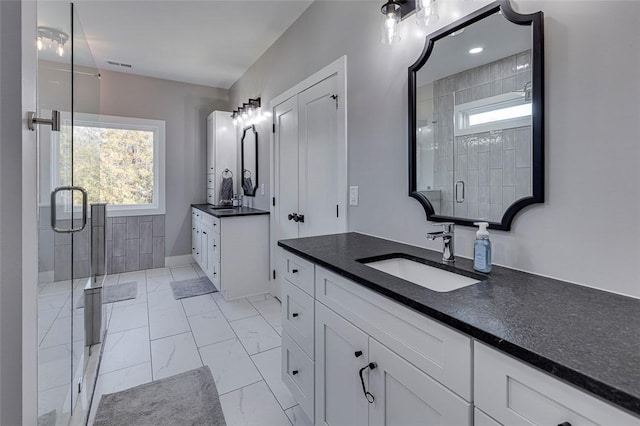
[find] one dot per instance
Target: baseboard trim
(185, 259)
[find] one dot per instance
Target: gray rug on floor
(189, 398)
(193, 287)
(115, 293)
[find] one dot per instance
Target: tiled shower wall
(132, 243)
(495, 166)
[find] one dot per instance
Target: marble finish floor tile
(173, 355)
(297, 417)
(235, 309)
(256, 334)
(252, 405)
(162, 299)
(54, 367)
(58, 334)
(128, 317)
(125, 349)
(271, 310)
(230, 365)
(199, 305)
(269, 364)
(168, 322)
(181, 273)
(209, 328)
(136, 276)
(159, 283)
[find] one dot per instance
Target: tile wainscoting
(132, 243)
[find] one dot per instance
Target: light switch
(353, 195)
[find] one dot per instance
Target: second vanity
(362, 347)
(231, 245)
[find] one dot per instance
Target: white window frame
(462, 112)
(159, 158)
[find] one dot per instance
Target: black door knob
(292, 216)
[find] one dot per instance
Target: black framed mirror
(249, 156)
(476, 118)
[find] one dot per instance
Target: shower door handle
(54, 210)
(54, 121)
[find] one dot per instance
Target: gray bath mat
(115, 293)
(189, 398)
(193, 287)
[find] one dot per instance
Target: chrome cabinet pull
(54, 219)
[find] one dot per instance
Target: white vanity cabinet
(233, 251)
(424, 372)
(355, 327)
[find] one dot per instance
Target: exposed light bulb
(60, 50)
(427, 12)
(390, 22)
(40, 44)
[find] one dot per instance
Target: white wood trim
(338, 68)
(171, 261)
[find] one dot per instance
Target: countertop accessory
(482, 249)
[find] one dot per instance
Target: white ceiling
(209, 42)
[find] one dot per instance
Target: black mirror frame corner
(536, 21)
(255, 184)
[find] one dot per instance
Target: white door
(309, 164)
(405, 395)
(319, 194)
(341, 351)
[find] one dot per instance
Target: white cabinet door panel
(405, 395)
(298, 374)
(516, 394)
(297, 317)
(340, 400)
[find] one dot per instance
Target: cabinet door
(213, 255)
(211, 152)
(339, 396)
(405, 395)
(204, 248)
(195, 241)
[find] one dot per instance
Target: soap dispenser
(482, 249)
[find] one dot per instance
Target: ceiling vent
(119, 64)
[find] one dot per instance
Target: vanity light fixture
(393, 12)
(475, 50)
(48, 38)
(249, 113)
(426, 12)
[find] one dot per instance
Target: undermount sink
(426, 276)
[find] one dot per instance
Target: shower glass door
(68, 82)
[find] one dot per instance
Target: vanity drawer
(211, 181)
(515, 394)
(298, 271)
(434, 348)
(212, 222)
(196, 214)
(297, 317)
(211, 196)
(298, 374)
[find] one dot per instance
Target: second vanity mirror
(249, 147)
(476, 118)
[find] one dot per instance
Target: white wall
(587, 231)
(10, 215)
(185, 108)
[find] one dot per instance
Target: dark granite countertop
(589, 338)
(228, 211)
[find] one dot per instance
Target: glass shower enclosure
(68, 83)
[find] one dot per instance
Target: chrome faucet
(447, 235)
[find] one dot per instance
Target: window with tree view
(118, 161)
